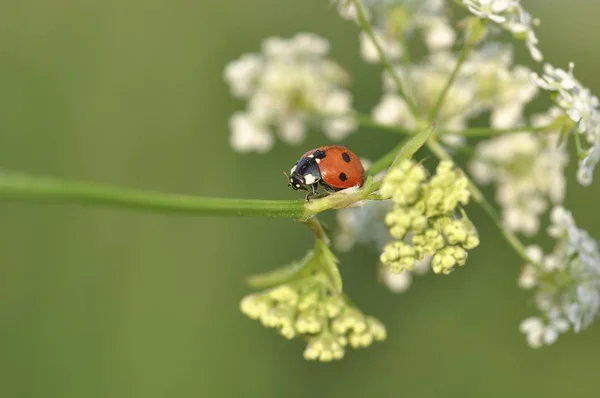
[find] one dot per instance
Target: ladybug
(334, 167)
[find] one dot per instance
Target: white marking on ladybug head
(318, 160)
(311, 156)
(297, 185)
(309, 179)
(293, 169)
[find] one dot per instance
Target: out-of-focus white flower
(439, 35)
(248, 134)
(566, 282)
(392, 19)
(540, 333)
(528, 170)
(487, 81)
(363, 225)
(425, 82)
(500, 87)
(400, 282)
(290, 84)
(390, 45)
(512, 17)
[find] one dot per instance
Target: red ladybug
(334, 167)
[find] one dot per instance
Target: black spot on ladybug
(319, 154)
(346, 158)
(343, 176)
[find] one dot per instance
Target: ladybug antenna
(288, 178)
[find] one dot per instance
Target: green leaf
(328, 263)
(414, 144)
(286, 274)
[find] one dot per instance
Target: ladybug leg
(314, 188)
(328, 188)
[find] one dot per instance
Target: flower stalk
(368, 29)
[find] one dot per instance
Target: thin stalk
(366, 26)
(491, 132)
(21, 186)
(440, 101)
(317, 229)
(478, 196)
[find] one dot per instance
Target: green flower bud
(255, 305)
(399, 256)
(284, 294)
(324, 347)
(376, 328)
(309, 322)
(360, 340)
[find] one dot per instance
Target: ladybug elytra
(333, 167)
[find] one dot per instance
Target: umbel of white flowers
(566, 282)
(528, 170)
(290, 84)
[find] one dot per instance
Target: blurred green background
(114, 303)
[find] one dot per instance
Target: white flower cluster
(487, 82)
(566, 282)
(581, 106)
(288, 85)
(528, 170)
(423, 220)
(309, 308)
(393, 19)
(512, 17)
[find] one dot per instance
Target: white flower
(528, 170)
(566, 282)
(363, 225)
(512, 17)
(393, 110)
(400, 282)
(539, 333)
(499, 87)
(396, 282)
(427, 81)
(288, 86)
(248, 134)
(389, 44)
(588, 163)
(392, 19)
(439, 35)
(582, 107)
(487, 81)
(243, 74)
(491, 9)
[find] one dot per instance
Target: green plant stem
(317, 229)
(491, 132)
(464, 53)
(21, 186)
(366, 26)
(478, 196)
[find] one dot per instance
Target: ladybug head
(297, 182)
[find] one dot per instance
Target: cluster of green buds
(310, 305)
(427, 217)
